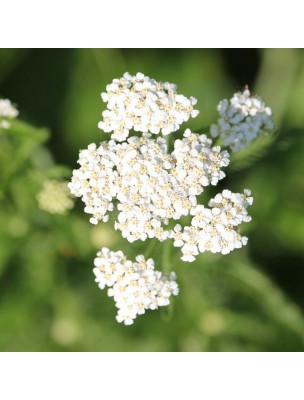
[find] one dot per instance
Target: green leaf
(24, 130)
(20, 141)
(268, 297)
(257, 149)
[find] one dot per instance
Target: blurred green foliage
(250, 300)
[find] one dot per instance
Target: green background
(250, 300)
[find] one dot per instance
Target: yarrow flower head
(7, 113)
(135, 286)
(149, 185)
(214, 229)
(144, 105)
(242, 119)
(55, 197)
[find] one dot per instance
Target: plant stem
(166, 264)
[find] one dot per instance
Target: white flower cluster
(7, 112)
(135, 286)
(214, 229)
(140, 103)
(55, 197)
(149, 185)
(242, 119)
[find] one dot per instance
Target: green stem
(166, 264)
(168, 141)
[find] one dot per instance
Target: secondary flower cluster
(55, 197)
(144, 105)
(135, 286)
(7, 112)
(242, 119)
(149, 185)
(214, 229)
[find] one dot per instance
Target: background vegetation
(250, 300)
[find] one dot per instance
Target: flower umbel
(135, 286)
(149, 185)
(151, 189)
(214, 229)
(145, 105)
(242, 119)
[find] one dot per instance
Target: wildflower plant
(215, 302)
(149, 182)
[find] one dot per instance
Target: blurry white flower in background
(55, 197)
(7, 113)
